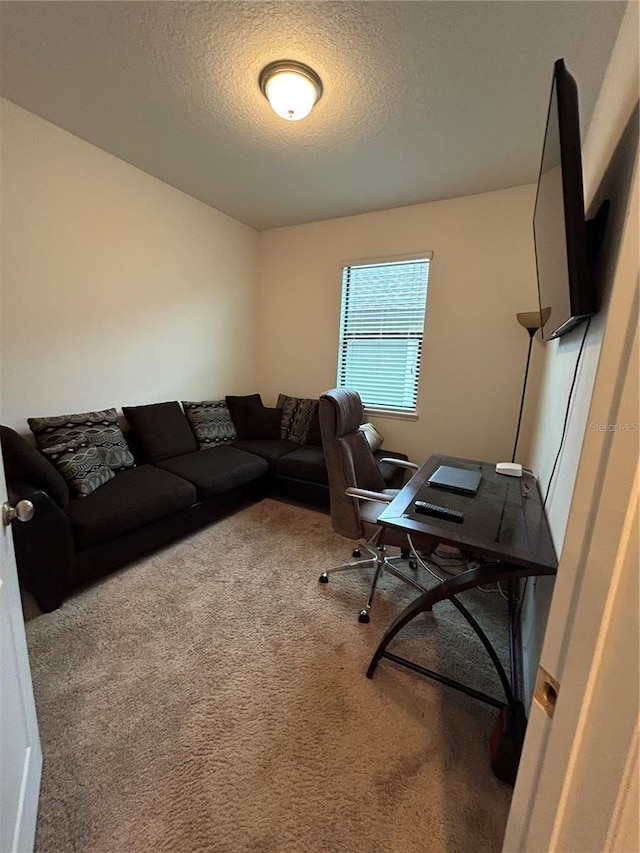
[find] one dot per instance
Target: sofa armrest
(44, 547)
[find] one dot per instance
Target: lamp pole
(531, 330)
(531, 321)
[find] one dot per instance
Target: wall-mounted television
(565, 283)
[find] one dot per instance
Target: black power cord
(566, 415)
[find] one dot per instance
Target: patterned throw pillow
(81, 465)
(297, 415)
(211, 422)
(98, 428)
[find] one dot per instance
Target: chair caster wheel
(356, 552)
(413, 564)
(324, 578)
(363, 616)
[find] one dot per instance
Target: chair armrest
(367, 495)
(401, 463)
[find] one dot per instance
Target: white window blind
(381, 330)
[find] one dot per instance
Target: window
(381, 330)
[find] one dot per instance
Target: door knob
(23, 511)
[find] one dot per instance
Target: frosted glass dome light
(291, 88)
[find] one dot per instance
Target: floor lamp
(531, 321)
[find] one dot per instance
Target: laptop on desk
(461, 480)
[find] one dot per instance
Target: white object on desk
(510, 469)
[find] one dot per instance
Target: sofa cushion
(161, 430)
(269, 449)
(133, 498)
(211, 422)
(308, 463)
(243, 411)
(217, 470)
(297, 415)
(253, 420)
(304, 463)
(23, 463)
(100, 428)
(81, 465)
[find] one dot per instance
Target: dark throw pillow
(263, 423)
(242, 411)
(297, 415)
(81, 465)
(211, 422)
(161, 430)
(98, 428)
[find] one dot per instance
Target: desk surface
(505, 519)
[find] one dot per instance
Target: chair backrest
(350, 462)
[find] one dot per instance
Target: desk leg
(447, 591)
(512, 636)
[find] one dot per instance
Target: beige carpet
(212, 697)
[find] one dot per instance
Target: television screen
(560, 234)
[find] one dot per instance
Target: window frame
(384, 411)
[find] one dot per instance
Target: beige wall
(116, 288)
(483, 272)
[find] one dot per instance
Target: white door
(20, 753)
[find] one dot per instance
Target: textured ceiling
(422, 100)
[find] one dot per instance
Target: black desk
(504, 522)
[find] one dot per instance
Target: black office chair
(358, 491)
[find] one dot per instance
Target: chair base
(380, 562)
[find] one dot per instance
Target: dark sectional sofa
(173, 489)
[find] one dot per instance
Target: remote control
(439, 511)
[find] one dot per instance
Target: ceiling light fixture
(291, 88)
